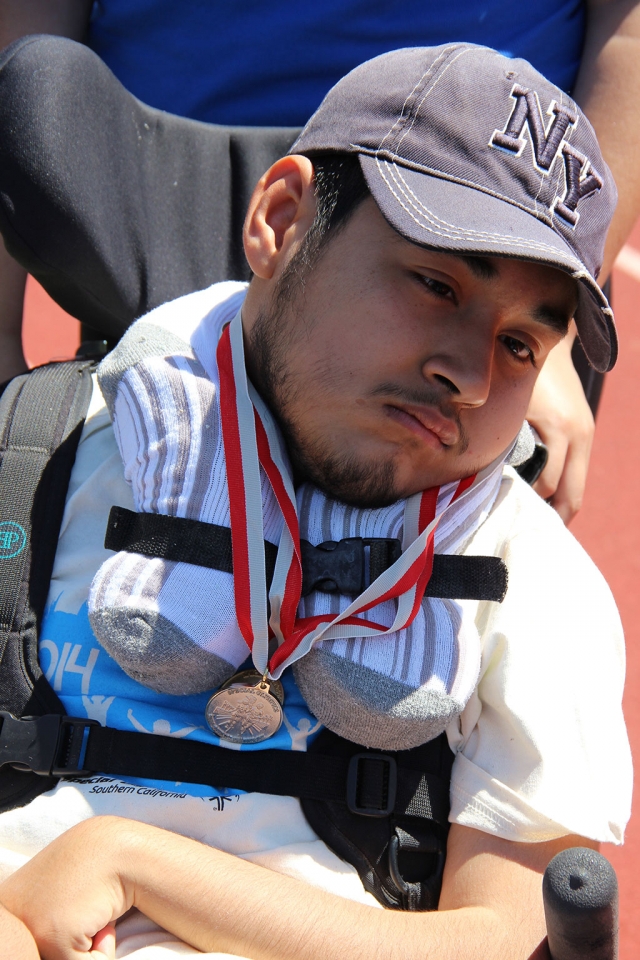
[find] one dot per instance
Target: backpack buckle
(418, 894)
(346, 566)
(51, 745)
(372, 780)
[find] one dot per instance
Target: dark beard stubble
(340, 476)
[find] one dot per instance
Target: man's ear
(280, 212)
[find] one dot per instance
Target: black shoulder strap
(41, 417)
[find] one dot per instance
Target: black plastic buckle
(418, 894)
(372, 780)
(51, 745)
(345, 566)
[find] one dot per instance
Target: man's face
(394, 368)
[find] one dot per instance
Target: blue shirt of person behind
(254, 63)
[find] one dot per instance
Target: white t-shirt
(541, 747)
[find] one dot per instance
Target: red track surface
(608, 525)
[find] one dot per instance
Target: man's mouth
(436, 430)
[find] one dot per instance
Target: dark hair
(340, 187)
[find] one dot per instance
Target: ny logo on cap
(581, 178)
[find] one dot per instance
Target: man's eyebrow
(480, 267)
(551, 317)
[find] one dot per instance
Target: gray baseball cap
(467, 151)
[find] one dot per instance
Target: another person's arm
(18, 18)
(491, 904)
(607, 89)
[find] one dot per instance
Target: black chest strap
(347, 566)
(370, 783)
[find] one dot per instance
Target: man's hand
(16, 943)
(560, 413)
(70, 895)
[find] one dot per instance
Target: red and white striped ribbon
(251, 439)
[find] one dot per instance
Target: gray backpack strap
(41, 418)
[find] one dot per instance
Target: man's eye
(519, 349)
(440, 289)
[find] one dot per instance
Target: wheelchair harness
(385, 813)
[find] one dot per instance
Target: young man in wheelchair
(415, 258)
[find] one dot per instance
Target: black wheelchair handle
(580, 891)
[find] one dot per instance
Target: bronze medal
(247, 708)
(249, 678)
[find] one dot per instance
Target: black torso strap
(330, 567)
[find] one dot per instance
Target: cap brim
(448, 215)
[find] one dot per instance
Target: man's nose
(463, 364)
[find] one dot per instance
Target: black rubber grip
(580, 891)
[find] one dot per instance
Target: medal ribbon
(251, 439)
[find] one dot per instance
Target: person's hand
(16, 943)
(560, 413)
(71, 893)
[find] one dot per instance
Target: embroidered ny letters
(545, 143)
(581, 178)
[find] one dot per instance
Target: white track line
(628, 261)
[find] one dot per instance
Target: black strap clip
(427, 850)
(372, 780)
(346, 566)
(51, 745)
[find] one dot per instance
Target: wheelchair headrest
(115, 207)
